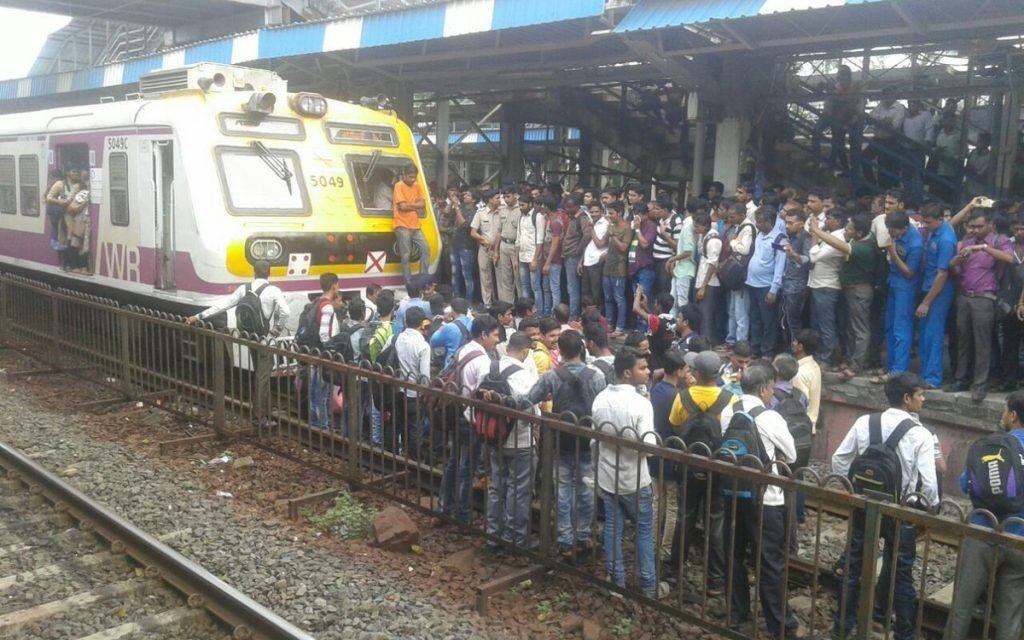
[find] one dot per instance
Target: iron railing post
(219, 372)
(869, 561)
(123, 327)
(353, 408)
(547, 488)
(5, 307)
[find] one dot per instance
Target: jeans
(977, 562)
(413, 428)
(793, 312)
(644, 278)
(823, 320)
(572, 282)
(764, 321)
(575, 498)
(615, 302)
(376, 425)
(552, 284)
(638, 507)
(457, 480)
(975, 318)
(526, 283)
(899, 328)
(681, 292)
(319, 400)
(905, 602)
(662, 278)
(770, 587)
(858, 313)
(697, 501)
(406, 239)
(509, 493)
(739, 317)
(463, 284)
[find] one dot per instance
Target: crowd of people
(867, 271)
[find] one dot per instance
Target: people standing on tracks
(616, 269)
(454, 334)
(484, 229)
(527, 239)
(513, 463)
(420, 290)
(571, 388)
(274, 313)
(578, 232)
(509, 218)
(413, 351)
(993, 481)
(622, 474)
(916, 452)
(409, 204)
(472, 364)
(378, 341)
(688, 415)
(323, 312)
(760, 519)
(983, 257)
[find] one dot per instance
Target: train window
(361, 135)
(374, 178)
(28, 180)
(8, 197)
(240, 124)
(261, 181)
(117, 175)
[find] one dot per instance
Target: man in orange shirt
(409, 204)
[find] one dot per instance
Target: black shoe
(979, 393)
(954, 387)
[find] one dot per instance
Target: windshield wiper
(277, 165)
(370, 166)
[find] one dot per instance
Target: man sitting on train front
(409, 202)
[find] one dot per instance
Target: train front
(311, 181)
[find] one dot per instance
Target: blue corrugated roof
(661, 14)
(216, 51)
(521, 13)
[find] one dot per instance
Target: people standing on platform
(578, 231)
(798, 268)
(707, 287)
(507, 267)
(665, 242)
(592, 267)
(764, 282)
(409, 204)
(938, 288)
(745, 197)
(551, 254)
(527, 240)
(620, 234)
(485, 228)
(905, 252)
(641, 254)
(825, 285)
(464, 247)
(682, 266)
(981, 259)
(739, 233)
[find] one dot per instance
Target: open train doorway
(163, 211)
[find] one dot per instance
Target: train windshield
(258, 180)
(374, 177)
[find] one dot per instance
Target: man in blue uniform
(905, 252)
(938, 288)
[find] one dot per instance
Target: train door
(162, 155)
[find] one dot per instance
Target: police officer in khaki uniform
(508, 254)
(484, 230)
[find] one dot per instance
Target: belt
(980, 294)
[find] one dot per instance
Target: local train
(206, 170)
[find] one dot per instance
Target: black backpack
(491, 427)
(439, 354)
(703, 426)
(341, 344)
(732, 269)
(792, 409)
(742, 438)
(249, 312)
(878, 468)
(307, 333)
(573, 396)
(383, 392)
(606, 368)
(364, 340)
(995, 474)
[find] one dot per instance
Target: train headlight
(265, 250)
(311, 105)
(260, 103)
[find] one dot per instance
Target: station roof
(661, 14)
(146, 12)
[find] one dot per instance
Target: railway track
(71, 568)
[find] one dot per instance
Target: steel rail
(247, 618)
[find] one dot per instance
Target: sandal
(882, 379)
(846, 374)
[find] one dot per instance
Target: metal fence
(556, 491)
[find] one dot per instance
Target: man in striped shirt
(669, 226)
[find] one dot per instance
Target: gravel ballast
(328, 595)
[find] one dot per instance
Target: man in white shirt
(413, 351)
(823, 281)
(622, 474)
(274, 308)
(916, 450)
(740, 235)
(473, 363)
(593, 256)
(744, 515)
(707, 287)
(512, 464)
(526, 244)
